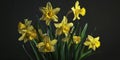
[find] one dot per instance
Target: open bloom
(77, 10)
(49, 13)
(63, 27)
(76, 39)
(47, 45)
(27, 30)
(92, 42)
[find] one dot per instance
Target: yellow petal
(49, 6)
(97, 38)
(57, 25)
(46, 39)
(48, 22)
(39, 45)
(22, 37)
(73, 9)
(90, 38)
(53, 42)
(86, 43)
(76, 39)
(83, 11)
(56, 10)
(58, 31)
(70, 24)
(27, 23)
(21, 25)
(55, 18)
(94, 48)
(43, 10)
(97, 44)
(90, 46)
(64, 21)
(52, 49)
(77, 4)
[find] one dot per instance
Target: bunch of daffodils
(64, 40)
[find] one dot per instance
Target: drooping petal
(58, 31)
(48, 22)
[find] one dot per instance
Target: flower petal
(70, 24)
(22, 37)
(83, 11)
(77, 4)
(39, 45)
(56, 10)
(90, 38)
(53, 42)
(49, 6)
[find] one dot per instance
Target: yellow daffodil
(49, 13)
(63, 27)
(47, 45)
(77, 10)
(27, 30)
(92, 42)
(76, 39)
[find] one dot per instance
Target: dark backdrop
(102, 14)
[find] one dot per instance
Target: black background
(102, 14)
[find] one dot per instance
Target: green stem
(85, 54)
(27, 52)
(50, 31)
(35, 52)
(69, 12)
(35, 42)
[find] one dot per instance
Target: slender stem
(34, 51)
(27, 52)
(35, 42)
(69, 12)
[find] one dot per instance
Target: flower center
(48, 46)
(49, 14)
(65, 28)
(77, 11)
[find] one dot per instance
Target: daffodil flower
(27, 31)
(47, 45)
(77, 10)
(49, 13)
(92, 42)
(76, 39)
(63, 27)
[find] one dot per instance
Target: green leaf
(86, 54)
(78, 47)
(27, 52)
(63, 51)
(34, 50)
(84, 31)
